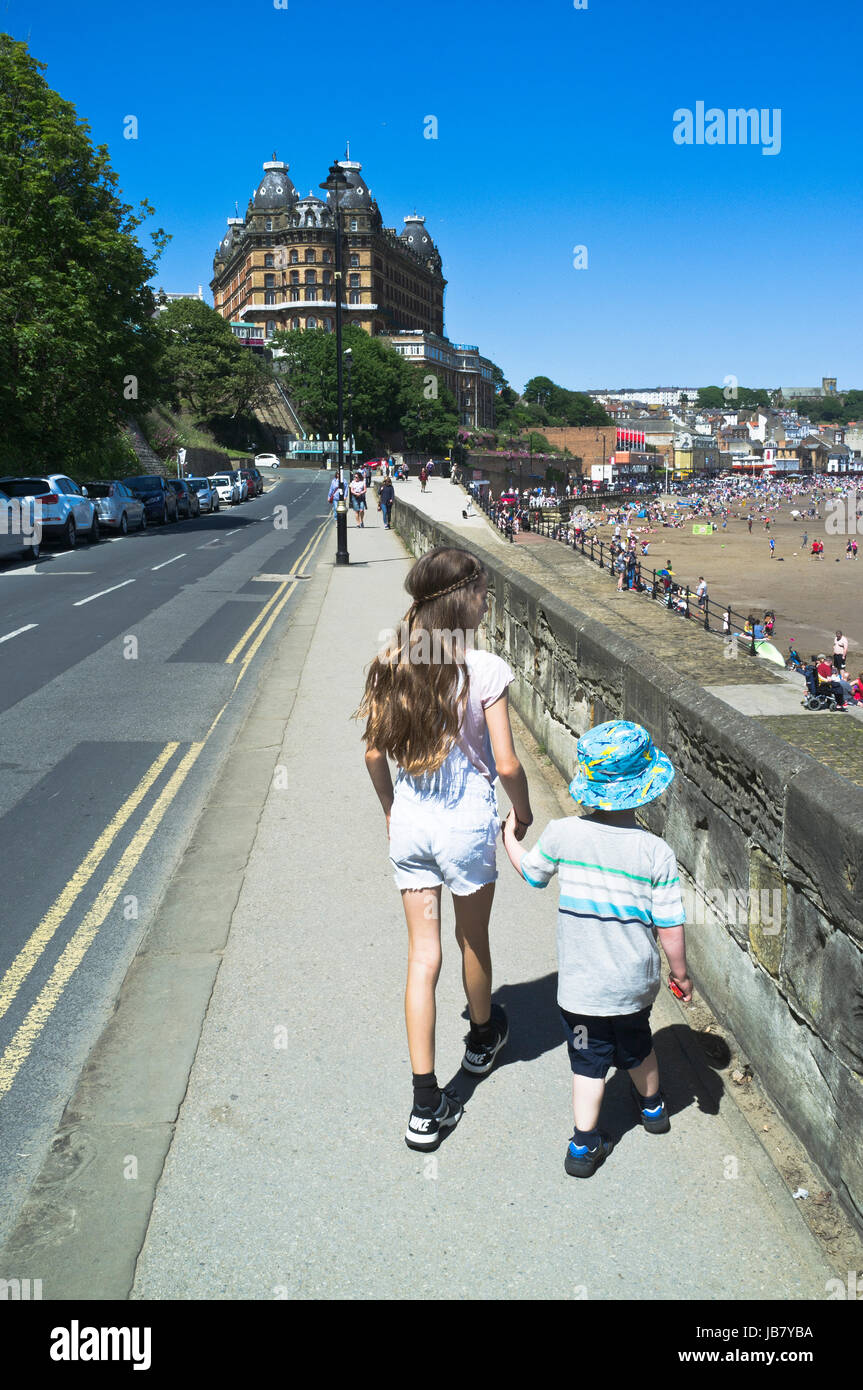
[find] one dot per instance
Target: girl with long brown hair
(438, 707)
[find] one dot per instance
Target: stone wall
(746, 814)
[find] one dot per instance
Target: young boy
(619, 891)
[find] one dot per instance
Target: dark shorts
(595, 1044)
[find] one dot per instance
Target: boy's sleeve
(539, 865)
(667, 907)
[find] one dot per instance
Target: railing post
(601, 562)
(653, 593)
(752, 651)
(707, 615)
(686, 610)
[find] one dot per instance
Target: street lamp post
(349, 357)
(335, 183)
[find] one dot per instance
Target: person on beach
(840, 652)
(438, 707)
(619, 895)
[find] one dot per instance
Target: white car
(64, 511)
(226, 489)
(267, 461)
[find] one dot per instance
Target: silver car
(227, 490)
(20, 530)
(118, 509)
(208, 498)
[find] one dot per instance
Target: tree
(429, 424)
(78, 345)
(203, 363)
(539, 391)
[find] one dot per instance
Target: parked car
(242, 484)
(64, 511)
(187, 499)
(253, 480)
(208, 498)
(19, 528)
(118, 508)
(159, 499)
(227, 489)
(267, 461)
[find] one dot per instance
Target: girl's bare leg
(472, 915)
(422, 914)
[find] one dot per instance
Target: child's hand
(684, 984)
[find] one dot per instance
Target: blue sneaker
(656, 1120)
(582, 1162)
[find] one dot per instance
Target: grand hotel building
(275, 270)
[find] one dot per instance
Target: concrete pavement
(287, 1175)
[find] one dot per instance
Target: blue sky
(555, 130)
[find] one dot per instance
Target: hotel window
(354, 297)
(295, 258)
(354, 281)
(311, 322)
(328, 277)
(269, 297)
(268, 260)
(355, 260)
(328, 257)
(310, 255)
(271, 327)
(353, 224)
(295, 295)
(310, 277)
(311, 296)
(295, 323)
(270, 282)
(327, 325)
(295, 277)
(268, 225)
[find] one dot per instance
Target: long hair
(417, 689)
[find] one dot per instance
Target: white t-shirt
(489, 677)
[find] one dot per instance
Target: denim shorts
(444, 829)
(596, 1044)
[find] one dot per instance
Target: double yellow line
(28, 957)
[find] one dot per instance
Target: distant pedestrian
(805, 540)
(438, 707)
(854, 547)
(772, 546)
(336, 492)
(423, 478)
(358, 498)
(840, 651)
(701, 593)
(750, 526)
(386, 497)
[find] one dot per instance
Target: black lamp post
(335, 183)
(349, 357)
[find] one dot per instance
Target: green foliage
(388, 395)
(78, 346)
(550, 404)
(203, 363)
(746, 398)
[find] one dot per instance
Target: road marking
(102, 592)
(313, 543)
(18, 631)
(19, 1049)
(181, 556)
(233, 533)
(60, 908)
(208, 543)
(247, 635)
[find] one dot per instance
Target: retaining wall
(746, 814)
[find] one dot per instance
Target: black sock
(650, 1102)
(426, 1090)
(590, 1137)
(482, 1033)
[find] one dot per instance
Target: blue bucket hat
(619, 767)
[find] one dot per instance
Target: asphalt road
(118, 703)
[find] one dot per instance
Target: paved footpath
(288, 1174)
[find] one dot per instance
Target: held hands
(514, 827)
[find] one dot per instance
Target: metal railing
(612, 556)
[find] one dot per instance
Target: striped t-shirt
(617, 885)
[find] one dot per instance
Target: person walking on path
(386, 497)
(701, 593)
(423, 478)
(619, 892)
(772, 547)
(439, 709)
(750, 526)
(358, 498)
(337, 491)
